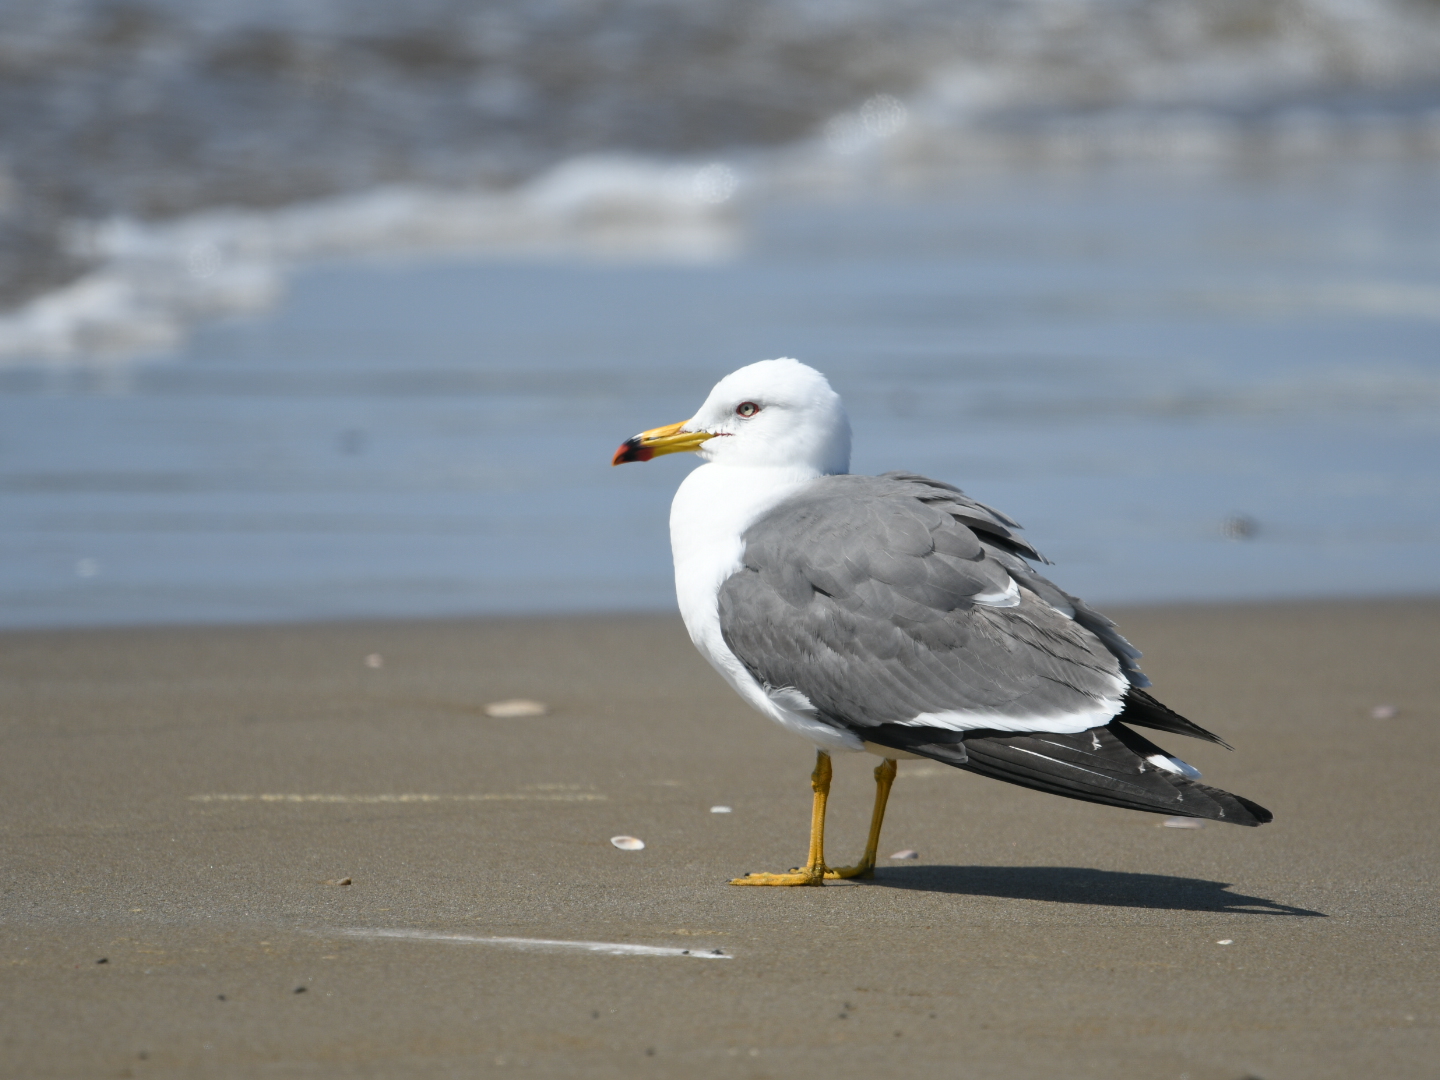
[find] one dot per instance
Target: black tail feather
(1142, 710)
(1103, 765)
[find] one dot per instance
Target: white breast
(711, 511)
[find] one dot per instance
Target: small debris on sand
(374, 660)
(906, 853)
(1182, 823)
(719, 809)
(103, 960)
(1384, 712)
(337, 881)
(628, 843)
(515, 707)
(1226, 941)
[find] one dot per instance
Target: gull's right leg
(813, 872)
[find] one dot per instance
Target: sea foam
(155, 279)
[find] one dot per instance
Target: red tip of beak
(631, 450)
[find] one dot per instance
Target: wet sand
(1034, 936)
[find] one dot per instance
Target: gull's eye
(746, 409)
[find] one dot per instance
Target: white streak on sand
(506, 796)
(606, 948)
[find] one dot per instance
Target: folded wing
(902, 611)
(896, 600)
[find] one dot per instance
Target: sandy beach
(180, 804)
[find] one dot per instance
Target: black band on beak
(632, 450)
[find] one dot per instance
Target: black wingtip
(1258, 812)
(1220, 805)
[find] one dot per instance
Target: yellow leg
(813, 872)
(865, 868)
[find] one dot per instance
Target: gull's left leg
(884, 778)
(813, 872)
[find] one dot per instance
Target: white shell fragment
(1384, 712)
(515, 707)
(907, 853)
(719, 809)
(1182, 823)
(628, 843)
(1226, 941)
(374, 660)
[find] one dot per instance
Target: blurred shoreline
(151, 147)
(665, 621)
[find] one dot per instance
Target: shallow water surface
(1186, 386)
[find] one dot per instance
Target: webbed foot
(801, 876)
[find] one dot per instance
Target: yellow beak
(661, 440)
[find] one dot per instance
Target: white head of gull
(777, 414)
(897, 615)
(768, 430)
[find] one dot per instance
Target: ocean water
(121, 114)
(337, 308)
(1187, 384)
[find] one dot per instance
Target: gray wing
(894, 600)
(996, 533)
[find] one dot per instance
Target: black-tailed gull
(894, 614)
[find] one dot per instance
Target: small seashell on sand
(515, 707)
(1384, 712)
(338, 881)
(719, 809)
(1182, 823)
(374, 660)
(1225, 941)
(906, 853)
(628, 843)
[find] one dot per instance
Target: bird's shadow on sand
(1079, 885)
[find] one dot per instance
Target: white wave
(1048, 82)
(154, 280)
(1172, 80)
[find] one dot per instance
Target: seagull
(897, 616)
